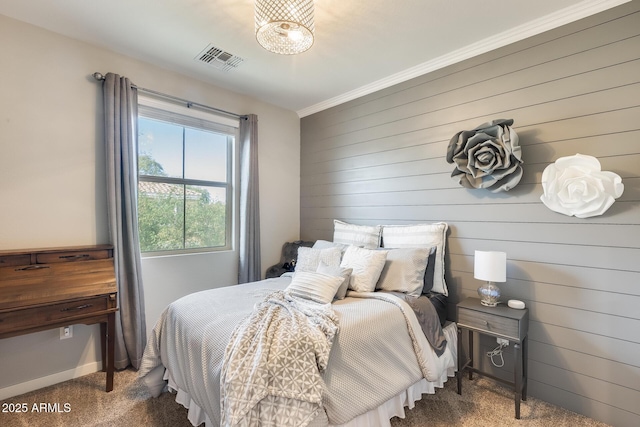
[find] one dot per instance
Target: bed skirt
(378, 417)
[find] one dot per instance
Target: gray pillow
(430, 271)
(337, 271)
(404, 271)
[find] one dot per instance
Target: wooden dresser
(49, 288)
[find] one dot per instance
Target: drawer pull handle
(80, 307)
(74, 256)
(32, 267)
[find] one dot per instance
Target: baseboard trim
(38, 383)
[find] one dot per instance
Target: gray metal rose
(487, 157)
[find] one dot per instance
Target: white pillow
(367, 264)
(404, 271)
(324, 244)
(337, 271)
(316, 287)
(367, 236)
(424, 236)
(309, 258)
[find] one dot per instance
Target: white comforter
(378, 352)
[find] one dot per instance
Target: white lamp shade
(490, 266)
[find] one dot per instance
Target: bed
(387, 349)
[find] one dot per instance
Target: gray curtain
(121, 114)
(249, 269)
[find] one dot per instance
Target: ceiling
(360, 46)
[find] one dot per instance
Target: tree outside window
(184, 186)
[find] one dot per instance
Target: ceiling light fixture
(285, 26)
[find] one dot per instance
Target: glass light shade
(285, 26)
(492, 267)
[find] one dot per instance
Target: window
(185, 179)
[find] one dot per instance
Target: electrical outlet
(66, 332)
(502, 341)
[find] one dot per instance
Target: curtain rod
(189, 104)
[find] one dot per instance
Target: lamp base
(489, 294)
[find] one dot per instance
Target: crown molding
(554, 20)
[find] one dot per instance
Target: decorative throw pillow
(314, 286)
(421, 235)
(367, 264)
(367, 236)
(337, 271)
(309, 258)
(404, 271)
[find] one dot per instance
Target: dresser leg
(103, 345)
(110, 350)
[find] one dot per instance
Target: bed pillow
(314, 286)
(404, 271)
(367, 264)
(309, 258)
(366, 236)
(421, 235)
(325, 244)
(430, 271)
(337, 271)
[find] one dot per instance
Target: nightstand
(500, 322)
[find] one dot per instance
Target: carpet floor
(82, 402)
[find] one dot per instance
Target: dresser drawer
(37, 316)
(489, 323)
(71, 256)
(11, 260)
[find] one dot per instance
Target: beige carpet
(483, 403)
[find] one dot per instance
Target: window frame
(187, 117)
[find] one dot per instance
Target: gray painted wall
(380, 159)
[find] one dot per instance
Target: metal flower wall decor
(488, 156)
(577, 186)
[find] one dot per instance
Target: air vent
(219, 58)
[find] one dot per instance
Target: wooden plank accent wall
(380, 159)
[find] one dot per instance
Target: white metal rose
(577, 186)
(488, 156)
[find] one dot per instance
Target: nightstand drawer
(489, 323)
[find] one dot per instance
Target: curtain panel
(249, 269)
(120, 109)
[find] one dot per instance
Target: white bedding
(187, 340)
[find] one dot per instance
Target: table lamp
(492, 267)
